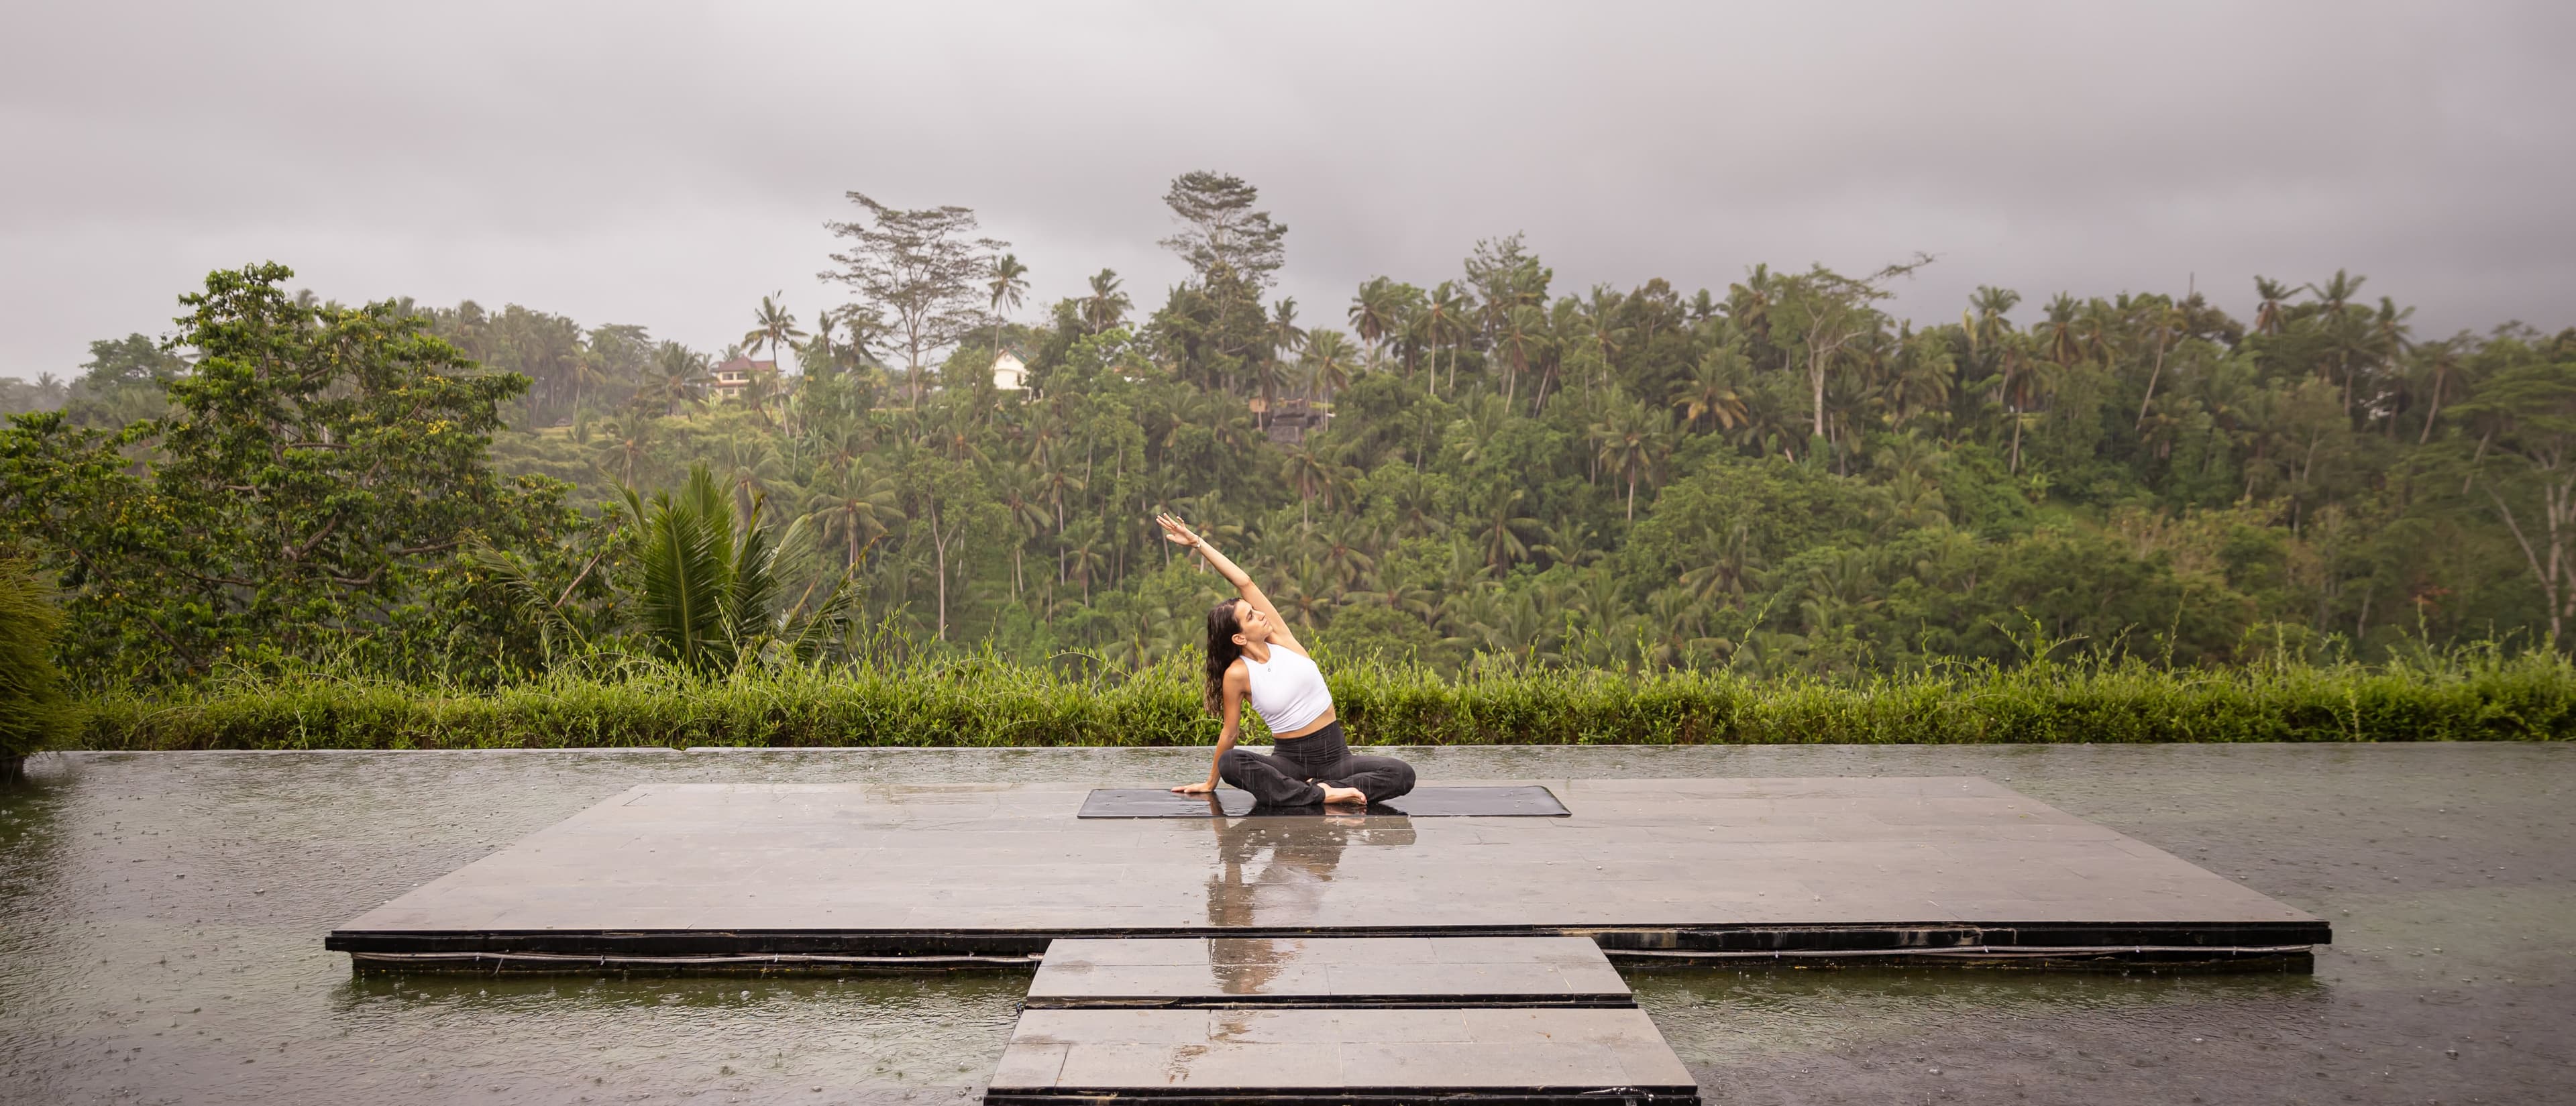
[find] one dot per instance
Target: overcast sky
(667, 164)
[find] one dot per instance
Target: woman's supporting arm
(1236, 681)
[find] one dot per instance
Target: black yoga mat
(1422, 802)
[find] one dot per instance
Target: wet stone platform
(1334, 1020)
(773, 876)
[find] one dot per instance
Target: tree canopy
(1468, 470)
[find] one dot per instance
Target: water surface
(161, 919)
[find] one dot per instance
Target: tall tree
(2524, 462)
(921, 268)
(1220, 231)
(1825, 313)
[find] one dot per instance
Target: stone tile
(1203, 1065)
(1463, 980)
(1030, 1064)
(1466, 1065)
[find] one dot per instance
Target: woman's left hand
(1195, 788)
(1177, 532)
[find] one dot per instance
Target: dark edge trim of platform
(2240, 946)
(1881, 937)
(1328, 1002)
(1324, 1096)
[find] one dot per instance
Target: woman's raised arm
(1180, 534)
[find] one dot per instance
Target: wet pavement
(161, 919)
(1811, 865)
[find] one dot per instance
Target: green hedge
(2468, 697)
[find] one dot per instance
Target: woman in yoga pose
(1251, 654)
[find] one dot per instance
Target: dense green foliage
(34, 712)
(309, 492)
(1476, 479)
(983, 701)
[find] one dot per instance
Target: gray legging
(1287, 777)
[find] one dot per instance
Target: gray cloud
(668, 164)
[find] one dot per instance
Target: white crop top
(1289, 691)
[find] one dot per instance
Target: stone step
(1328, 971)
(1483, 1054)
(1316, 1020)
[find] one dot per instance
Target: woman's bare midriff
(1321, 721)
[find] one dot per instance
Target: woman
(1251, 654)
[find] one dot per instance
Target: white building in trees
(1010, 373)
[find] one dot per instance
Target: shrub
(34, 713)
(981, 701)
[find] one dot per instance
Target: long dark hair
(1221, 653)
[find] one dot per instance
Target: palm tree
(1632, 443)
(1009, 284)
(1106, 307)
(1086, 553)
(2019, 378)
(1734, 570)
(1443, 322)
(1711, 389)
(624, 443)
(1984, 319)
(1375, 314)
(2058, 334)
(1328, 361)
(1523, 334)
(858, 506)
(2272, 304)
(2336, 293)
(1022, 494)
(2389, 340)
(1601, 322)
(1311, 474)
(1499, 526)
(772, 327)
(1286, 337)
(680, 379)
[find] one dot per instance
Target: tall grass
(2467, 695)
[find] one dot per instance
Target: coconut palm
(1376, 313)
(855, 506)
(1521, 334)
(1500, 526)
(1632, 443)
(1008, 287)
(2272, 305)
(1311, 473)
(1711, 391)
(680, 379)
(1286, 337)
(772, 327)
(1328, 362)
(623, 444)
(1021, 491)
(1442, 321)
(1106, 307)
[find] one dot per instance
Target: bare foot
(1340, 796)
